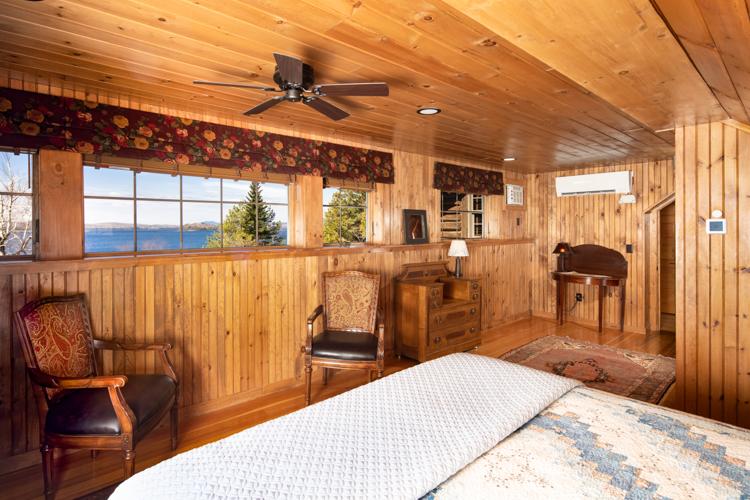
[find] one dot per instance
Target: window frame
(365, 207)
(470, 213)
(33, 166)
(181, 201)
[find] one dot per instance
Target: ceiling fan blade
(326, 108)
(239, 85)
(264, 106)
(352, 89)
(290, 68)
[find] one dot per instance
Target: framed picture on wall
(415, 227)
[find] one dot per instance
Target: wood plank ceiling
(551, 86)
(716, 36)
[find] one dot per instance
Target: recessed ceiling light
(428, 111)
(510, 158)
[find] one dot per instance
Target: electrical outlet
(579, 297)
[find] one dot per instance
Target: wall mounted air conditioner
(577, 185)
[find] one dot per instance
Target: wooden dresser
(436, 314)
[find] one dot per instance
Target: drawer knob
(475, 296)
(473, 310)
(472, 329)
(437, 340)
(475, 285)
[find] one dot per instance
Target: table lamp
(458, 249)
(562, 250)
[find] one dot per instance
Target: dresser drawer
(454, 317)
(447, 337)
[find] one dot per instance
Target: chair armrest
(116, 346)
(317, 312)
(160, 348)
(381, 334)
(98, 382)
(112, 383)
(307, 348)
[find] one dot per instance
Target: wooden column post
(306, 212)
(60, 195)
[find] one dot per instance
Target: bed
(463, 426)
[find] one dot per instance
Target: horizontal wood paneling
(598, 219)
(712, 167)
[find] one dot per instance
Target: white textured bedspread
(398, 437)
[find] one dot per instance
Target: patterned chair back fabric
(351, 301)
(58, 337)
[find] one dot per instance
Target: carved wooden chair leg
(308, 384)
(380, 373)
(47, 465)
(129, 463)
(175, 425)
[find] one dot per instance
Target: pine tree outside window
(344, 216)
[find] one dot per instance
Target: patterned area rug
(636, 375)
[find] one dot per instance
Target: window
(126, 211)
(16, 204)
(344, 216)
(461, 215)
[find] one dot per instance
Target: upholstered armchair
(349, 339)
(78, 408)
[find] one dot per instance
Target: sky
(119, 183)
(19, 168)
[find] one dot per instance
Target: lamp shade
(458, 249)
(562, 247)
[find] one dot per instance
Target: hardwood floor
(78, 474)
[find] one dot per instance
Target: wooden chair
(349, 339)
(78, 408)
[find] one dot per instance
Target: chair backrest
(350, 301)
(55, 334)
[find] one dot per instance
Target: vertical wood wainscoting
(598, 219)
(236, 321)
(712, 171)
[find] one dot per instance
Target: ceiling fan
(296, 83)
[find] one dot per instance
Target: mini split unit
(607, 183)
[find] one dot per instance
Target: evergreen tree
(248, 223)
(347, 212)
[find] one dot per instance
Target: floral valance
(457, 179)
(31, 120)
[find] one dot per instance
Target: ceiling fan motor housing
(308, 78)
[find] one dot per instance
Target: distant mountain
(193, 226)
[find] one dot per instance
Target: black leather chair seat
(89, 411)
(348, 346)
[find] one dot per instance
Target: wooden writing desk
(592, 265)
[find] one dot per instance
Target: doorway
(660, 266)
(667, 276)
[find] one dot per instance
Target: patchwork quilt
(590, 444)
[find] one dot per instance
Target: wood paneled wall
(712, 171)
(236, 324)
(237, 321)
(596, 219)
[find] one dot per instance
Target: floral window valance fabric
(457, 179)
(31, 120)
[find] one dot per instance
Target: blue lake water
(121, 239)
